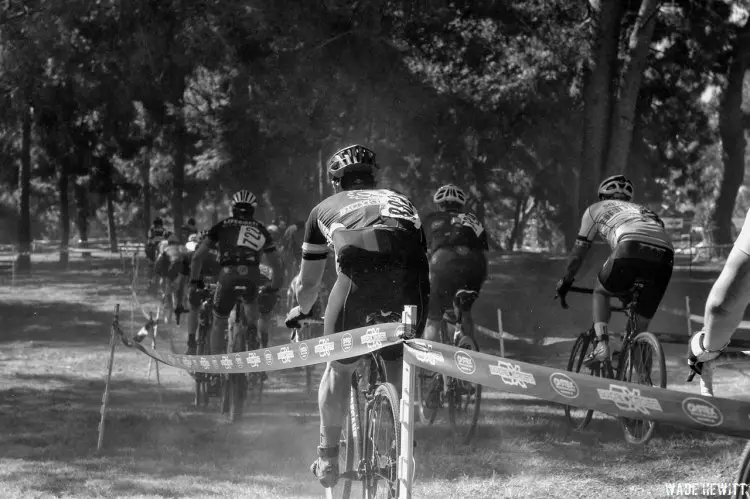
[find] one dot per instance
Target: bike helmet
(191, 222)
(244, 197)
(158, 222)
(450, 193)
(354, 158)
(616, 185)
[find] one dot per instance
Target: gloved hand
(294, 316)
(563, 286)
(193, 295)
(698, 353)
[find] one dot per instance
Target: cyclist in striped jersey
(641, 248)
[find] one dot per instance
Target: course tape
(698, 318)
(337, 346)
(717, 415)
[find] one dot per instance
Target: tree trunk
(178, 175)
(145, 168)
(23, 261)
(599, 80)
(732, 140)
(82, 216)
(64, 184)
(623, 118)
(111, 226)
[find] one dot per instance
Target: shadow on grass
(152, 438)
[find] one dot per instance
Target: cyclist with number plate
(641, 249)
(379, 245)
(209, 270)
(456, 243)
(725, 305)
(240, 240)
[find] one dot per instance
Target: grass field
(53, 356)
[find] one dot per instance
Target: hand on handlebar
(561, 290)
(294, 316)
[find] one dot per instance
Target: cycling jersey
(156, 234)
(444, 228)
(241, 242)
(187, 230)
(616, 221)
(356, 209)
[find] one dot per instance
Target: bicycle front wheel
(579, 418)
(643, 364)
(382, 440)
(743, 474)
(464, 400)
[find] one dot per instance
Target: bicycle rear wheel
(255, 381)
(202, 379)
(350, 443)
(743, 474)
(464, 400)
(429, 391)
(579, 418)
(382, 440)
(644, 364)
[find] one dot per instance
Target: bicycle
(238, 337)
(364, 456)
(304, 333)
(203, 381)
(463, 397)
(635, 345)
(743, 357)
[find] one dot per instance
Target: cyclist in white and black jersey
(641, 248)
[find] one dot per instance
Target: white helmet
(450, 194)
(244, 197)
(616, 184)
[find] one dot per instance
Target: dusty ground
(53, 355)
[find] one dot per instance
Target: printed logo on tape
(205, 364)
(253, 359)
(238, 360)
(464, 362)
(374, 338)
(511, 374)
(428, 357)
(285, 355)
(304, 350)
(347, 342)
(702, 411)
(268, 356)
(564, 385)
(324, 347)
(226, 363)
(629, 400)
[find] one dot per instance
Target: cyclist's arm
(202, 252)
(314, 253)
(582, 246)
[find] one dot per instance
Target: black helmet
(158, 221)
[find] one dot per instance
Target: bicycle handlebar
(573, 289)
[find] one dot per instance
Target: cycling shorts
(631, 260)
(210, 268)
(150, 251)
(377, 283)
(452, 269)
(226, 293)
(169, 265)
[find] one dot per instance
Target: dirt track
(52, 362)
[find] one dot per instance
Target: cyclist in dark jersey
(240, 240)
(209, 271)
(380, 249)
(458, 266)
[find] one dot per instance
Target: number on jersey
(470, 221)
(251, 237)
(398, 206)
